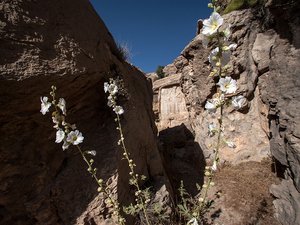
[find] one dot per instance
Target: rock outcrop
(266, 65)
(66, 44)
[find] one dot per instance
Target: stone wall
(66, 44)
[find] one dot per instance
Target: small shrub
(160, 73)
(241, 4)
(125, 50)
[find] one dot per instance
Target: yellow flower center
(74, 138)
(214, 26)
(227, 85)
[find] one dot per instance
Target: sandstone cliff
(266, 65)
(66, 44)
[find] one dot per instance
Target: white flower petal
(193, 221)
(210, 107)
(75, 137)
(238, 101)
(62, 105)
(60, 135)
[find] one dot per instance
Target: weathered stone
(66, 44)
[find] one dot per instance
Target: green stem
(93, 172)
(131, 166)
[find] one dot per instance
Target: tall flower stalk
(219, 58)
(74, 137)
(142, 198)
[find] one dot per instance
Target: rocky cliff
(66, 44)
(266, 65)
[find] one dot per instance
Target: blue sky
(156, 30)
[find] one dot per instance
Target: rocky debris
(66, 44)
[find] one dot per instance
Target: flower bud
(207, 167)
(207, 174)
(211, 74)
(218, 9)
(218, 64)
(201, 199)
(212, 184)
(100, 189)
(204, 186)
(100, 181)
(210, 5)
(227, 67)
(91, 161)
(214, 58)
(195, 214)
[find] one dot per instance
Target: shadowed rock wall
(66, 44)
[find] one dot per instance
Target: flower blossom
(231, 144)
(119, 110)
(65, 145)
(111, 101)
(212, 24)
(62, 105)
(106, 87)
(193, 221)
(205, 41)
(227, 85)
(113, 89)
(212, 128)
(211, 107)
(214, 166)
(60, 135)
(238, 101)
(75, 137)
(45, 105)
(224, 59)
(227, 32)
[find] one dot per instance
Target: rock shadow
(183, 158)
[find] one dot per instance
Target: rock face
(266, 65)
(66, 44)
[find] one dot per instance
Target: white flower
(193, 222)
(227, 33)
(212, 24)
(75, 137)
(119, 110)
(238, 101)
(210, 107)
(111, 101)
(113, 89)
(232, 47)
(106, 86)
(212, 128)
(62, 105)
(224, 60)
(55, 120)
(227, 85)
(231, 144)
(45, 105)
(65, 145)
(93, 152)
(60, 135)
(214, 166)
(205, 41)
